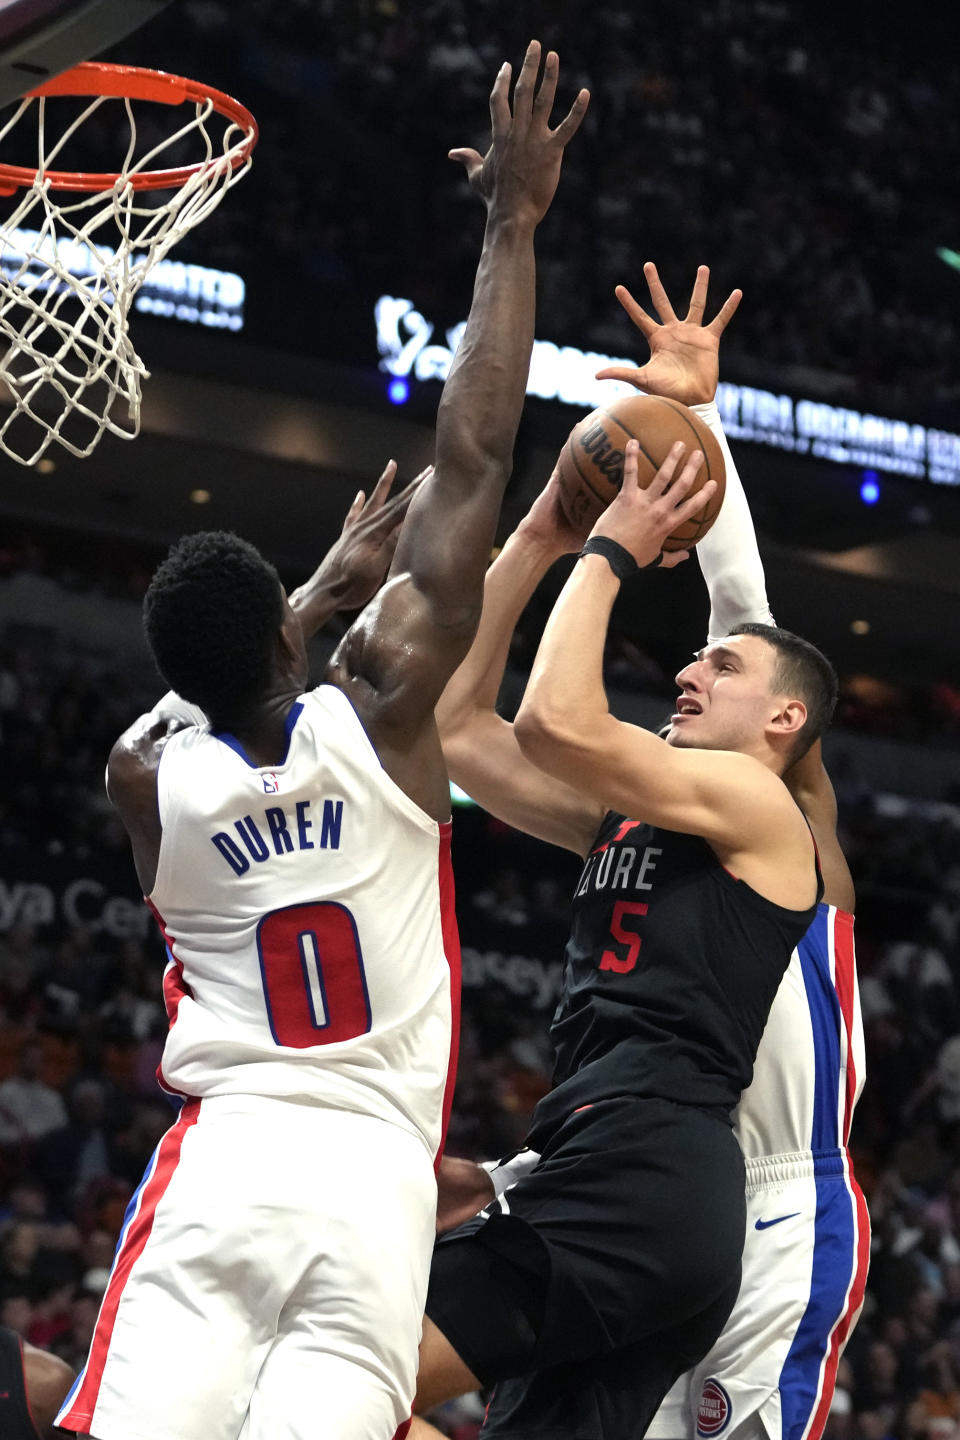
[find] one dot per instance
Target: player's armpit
(484, 759)
(736, 804)
(390, 655)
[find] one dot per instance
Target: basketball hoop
(79, 244)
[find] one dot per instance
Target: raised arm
(479, 746)
(396, 660)
(564, 725)
(684, 366)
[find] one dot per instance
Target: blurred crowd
(82, 1026)
(810, 161)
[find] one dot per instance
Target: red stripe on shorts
(844, 973)
(851, 1310)
(451, 948)
(80, 1415)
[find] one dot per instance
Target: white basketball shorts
(771, 1374)
(269, 1281)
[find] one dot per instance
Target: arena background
(809, 154)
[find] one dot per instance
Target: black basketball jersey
(670, 971)
(15, 1421)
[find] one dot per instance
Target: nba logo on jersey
(713, 1414)
(271, 785)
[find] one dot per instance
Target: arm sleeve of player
(506, 1172)
(170, 709)
(173, 707)
(728, 554)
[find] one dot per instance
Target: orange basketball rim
(128, 82)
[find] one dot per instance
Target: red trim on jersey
(451, 948)
(852, 1309)
(845, 982)
(133, 1241)
(401, 1431)
(174, 989)
(624, 830)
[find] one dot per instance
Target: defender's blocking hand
(518, 176)
(369, 538)
(683, 362)
(353, 569)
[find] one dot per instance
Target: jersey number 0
(313, 977)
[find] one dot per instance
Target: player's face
(727, 698)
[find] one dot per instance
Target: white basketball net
(71, 265)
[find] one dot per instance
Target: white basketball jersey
(810, 1065)
(308, 915)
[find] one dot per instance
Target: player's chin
(690, 732)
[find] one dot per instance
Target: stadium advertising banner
(55, 895)
(410, 351)
(195, 294)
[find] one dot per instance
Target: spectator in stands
(29, 1109)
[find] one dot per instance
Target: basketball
(591, 462)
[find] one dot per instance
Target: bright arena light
(870, 488)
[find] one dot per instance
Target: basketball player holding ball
(772, 1370)
(771, 1373)
(615, 1260)
(294, 846)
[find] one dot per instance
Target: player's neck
(770, 758)
(264, 733)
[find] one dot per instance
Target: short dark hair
(211, 616)
(802, 672)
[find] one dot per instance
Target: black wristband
(617, 556)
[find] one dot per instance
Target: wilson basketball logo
(713, 1415)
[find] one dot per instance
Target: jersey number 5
(610, 960)
(313, 977)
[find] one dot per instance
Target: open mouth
(687, 705)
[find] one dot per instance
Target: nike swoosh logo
(765, 1224)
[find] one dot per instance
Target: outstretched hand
(518, 176)
(353, 569)
(367, 542)
(683, 362)
(641, 519)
